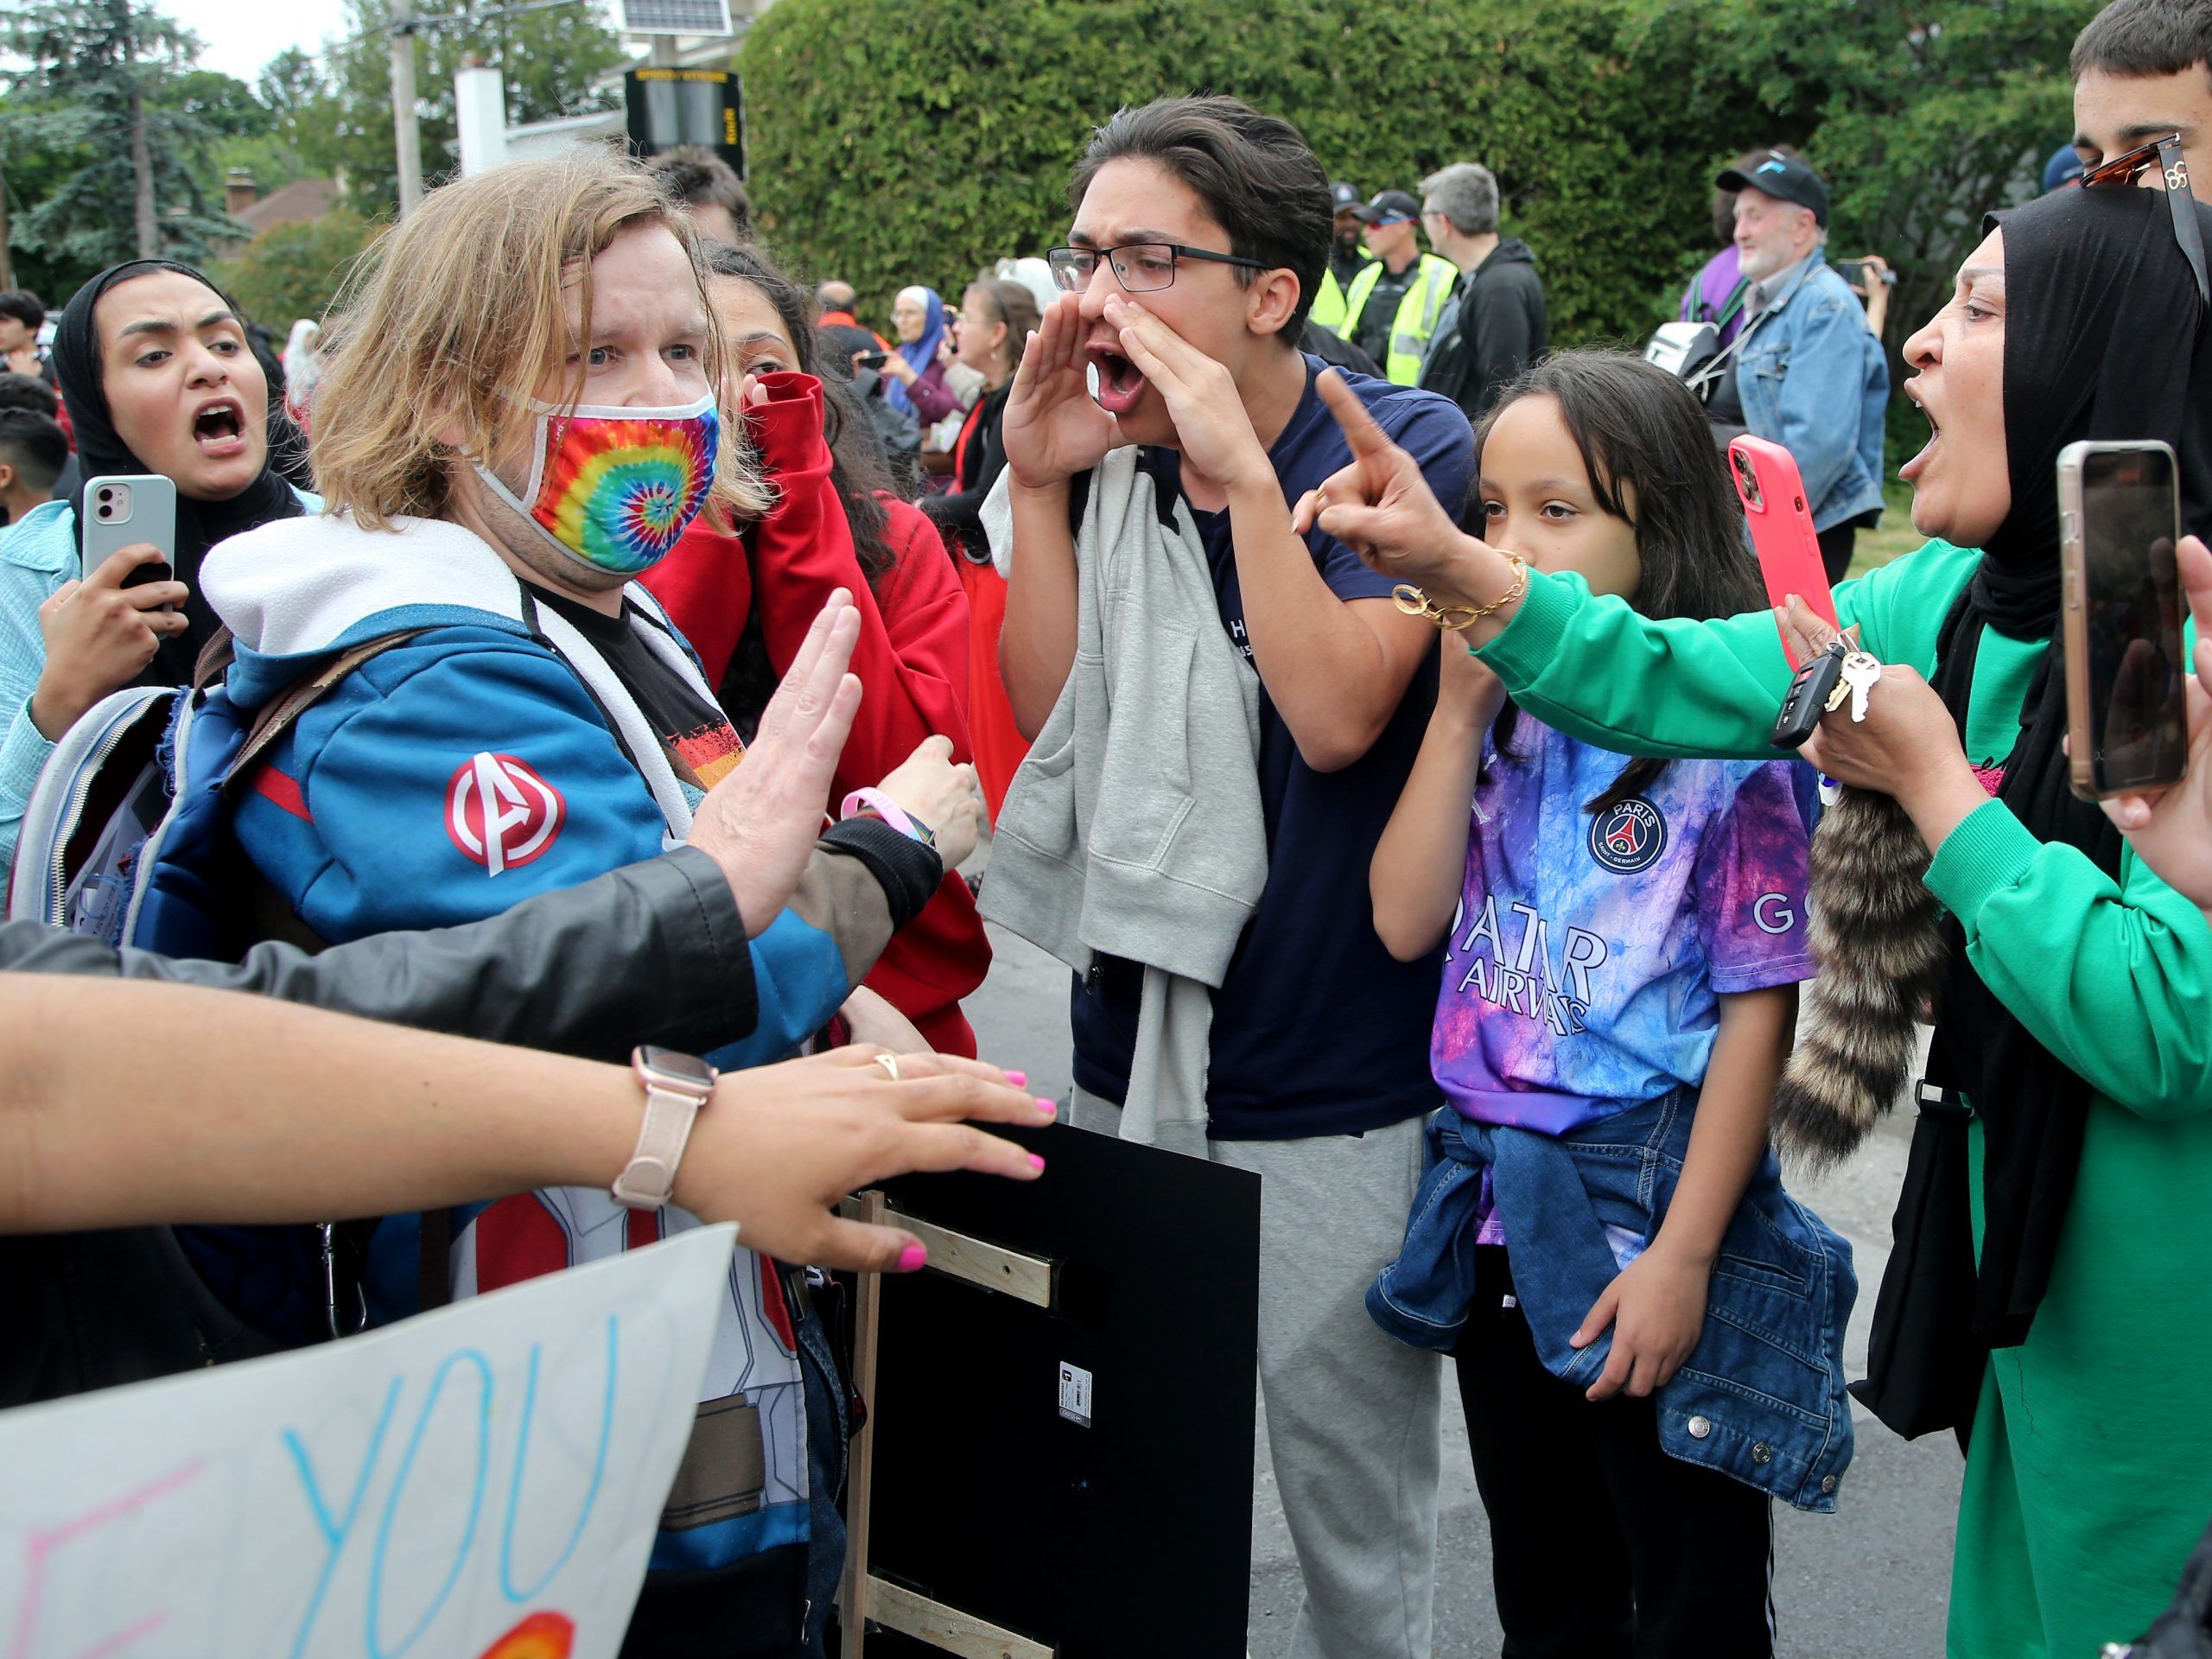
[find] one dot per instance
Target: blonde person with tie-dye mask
(518, 419)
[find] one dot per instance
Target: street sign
(667, 107)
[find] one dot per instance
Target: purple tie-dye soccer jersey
(1585, 965)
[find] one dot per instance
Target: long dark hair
(856, 472)
(1641, 432)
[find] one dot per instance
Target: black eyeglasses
(2180, 201)
(1140, 267)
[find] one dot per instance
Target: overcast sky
(241, 35)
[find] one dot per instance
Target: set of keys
(1860, 669)
(1822, 683)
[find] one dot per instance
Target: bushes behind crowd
(894, 143)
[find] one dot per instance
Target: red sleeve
(912, 659)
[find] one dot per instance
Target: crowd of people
(524, 623)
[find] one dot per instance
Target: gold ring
(889, 1062)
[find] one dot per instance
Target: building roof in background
(292, 204)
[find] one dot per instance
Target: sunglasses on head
(2163, 154)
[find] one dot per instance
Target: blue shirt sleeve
(1434, 432)
(1750, 883)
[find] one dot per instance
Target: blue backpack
(128, 838)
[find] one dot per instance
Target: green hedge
(894, 143)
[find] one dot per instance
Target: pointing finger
(1361, 432)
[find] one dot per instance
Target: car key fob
(1810, 695)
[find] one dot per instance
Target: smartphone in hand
(124, 510)
(2126, 700)
(1773, 494)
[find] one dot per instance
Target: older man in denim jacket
(1810, 375)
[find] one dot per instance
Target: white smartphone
(123, 511)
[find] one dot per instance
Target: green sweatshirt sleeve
(1592, 667)
(2112, 977)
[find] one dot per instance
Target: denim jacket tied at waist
(1761, 1397)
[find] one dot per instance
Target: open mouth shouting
(1120, 383)
(219, 428)
(1918, 464)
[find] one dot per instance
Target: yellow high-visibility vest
(1417, 312)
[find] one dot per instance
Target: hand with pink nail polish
(779, 1146)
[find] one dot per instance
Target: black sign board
(669, 106)
(1079, 1473)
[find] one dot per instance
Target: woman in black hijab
(160, 376)
(2051, 1286)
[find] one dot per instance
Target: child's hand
(1656, 1308)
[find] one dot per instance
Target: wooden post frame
(1026, 1278)
(867, 1308)
(865, 1597)
(945, 1628)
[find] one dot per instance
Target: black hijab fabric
(2104, 338)
(100, 449)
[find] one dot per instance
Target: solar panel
(672, 17)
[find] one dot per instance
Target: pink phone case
(1782, 527)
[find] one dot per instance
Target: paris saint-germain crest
(1628, 837)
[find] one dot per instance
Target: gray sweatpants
(1353, 1426)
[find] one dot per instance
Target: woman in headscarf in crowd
(2047, 1298)
(745, 595)
(159, 376)
(994, 319)
(918, 317)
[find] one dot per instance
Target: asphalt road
(1869, 1582)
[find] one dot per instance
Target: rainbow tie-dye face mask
(614, 488)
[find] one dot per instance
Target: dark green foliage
(895, 143)
(294, 271)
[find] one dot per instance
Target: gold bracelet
(1414, 602)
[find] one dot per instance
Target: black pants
(1835, 548)
(1602, 1545)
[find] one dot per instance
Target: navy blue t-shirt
(1316, 1029)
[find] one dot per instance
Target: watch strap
(648, 1180)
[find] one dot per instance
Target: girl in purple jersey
(1624, 943)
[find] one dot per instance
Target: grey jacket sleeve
(655, 953)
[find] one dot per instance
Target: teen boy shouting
(1201, 230)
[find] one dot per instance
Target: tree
(110, 87)
(550, 61)
(294, 270)
(894, 143)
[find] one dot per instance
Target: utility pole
(406, 139)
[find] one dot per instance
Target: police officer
(1392, 306)
(1348, 256)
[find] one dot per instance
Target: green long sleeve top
(2111, 977)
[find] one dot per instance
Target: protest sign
(480, 1483)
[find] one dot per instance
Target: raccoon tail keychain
(1876, 930)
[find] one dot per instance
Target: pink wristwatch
(677, 1086)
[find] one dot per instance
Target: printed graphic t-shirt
(1316, 1029)
(1585, 966)
(701, 743)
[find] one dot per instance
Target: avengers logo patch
(499, 813)
(1627, 839)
